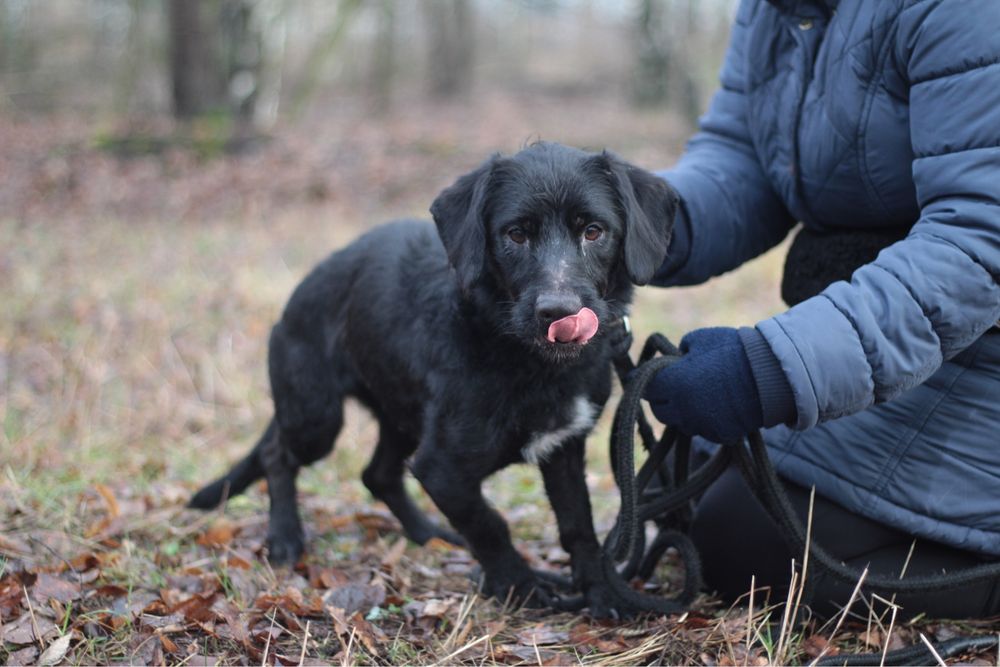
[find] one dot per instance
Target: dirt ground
(140, 279)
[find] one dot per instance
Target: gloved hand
(715, 391)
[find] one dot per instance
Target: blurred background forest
(201, 108)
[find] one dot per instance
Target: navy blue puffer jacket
(861, 114)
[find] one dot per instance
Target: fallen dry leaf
(56, 651)
(393, 555)
(355, 597)
(167, 643)
(516, 653)
(236, 625)
(437, 544)
(381, 523)
(13, 546)
(355, 625)
(23, 630)
(559, 659)
(239, 558)
(585, 635)
(871, 638)
(84, 561)
(11, 595)
(435, 608)
(109, 499)
(542, 635)
(816, 645)
(219, 534)
(293, 602)
(104, 530)
(24, 656)
(326, 577)
(110, 591)
(197, 608)
(48, 587)
(367, 633)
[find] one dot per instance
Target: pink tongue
(577, 328)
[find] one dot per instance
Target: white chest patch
(541, 445)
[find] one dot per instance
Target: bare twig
(843, 615)
(305, 641)
(267, 644)
(346, 660)
(930, 647)
(445, 659)
(34, 621)
(463, 613)
(786, 619)
(753, 586)
(885, 644)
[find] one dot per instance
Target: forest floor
(140, 279)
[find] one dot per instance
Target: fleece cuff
(776, 399)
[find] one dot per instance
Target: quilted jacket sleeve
(929, 296)
(729, 212)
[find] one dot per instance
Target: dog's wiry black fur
(442, 335)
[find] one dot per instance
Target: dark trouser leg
(736, 539)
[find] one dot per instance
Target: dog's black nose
(552, 306)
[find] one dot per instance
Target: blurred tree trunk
(325, 46)
(383, 56)
(242, 48)
(452, 46)
(665, 71)
(215, 58)
(652, 54)
(196, 84)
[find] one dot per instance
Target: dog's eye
(517, 235)
(593, 232)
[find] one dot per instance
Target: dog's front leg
(566, 486)
(455, 487)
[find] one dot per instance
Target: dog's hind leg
(283, 456)
(234, 482)
(285, 539)
(308, 390)
(384, 478)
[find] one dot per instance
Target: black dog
(486, 343)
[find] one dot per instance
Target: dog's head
(555, 237)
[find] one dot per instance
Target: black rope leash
(664, 494)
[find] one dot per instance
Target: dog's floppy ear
(648, 206)
(459, 216)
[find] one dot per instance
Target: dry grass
(132, 368)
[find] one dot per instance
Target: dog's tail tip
(208, 497)
(236, 481)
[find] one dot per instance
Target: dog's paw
(521, 588)
(603, 601)
(285, 549)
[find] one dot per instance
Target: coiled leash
(663, 493)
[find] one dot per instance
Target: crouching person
(877, 126)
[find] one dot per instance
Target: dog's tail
(240, 476)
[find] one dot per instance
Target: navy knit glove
(727, 384)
